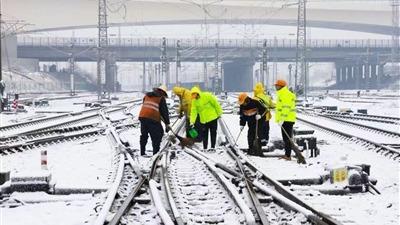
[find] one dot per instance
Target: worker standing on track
(154, 109)
(285, 114)
(252, 112)
(207, 106)
(185, 106)
(266, 101)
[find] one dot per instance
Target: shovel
(300, 157)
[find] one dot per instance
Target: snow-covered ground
(87, 163)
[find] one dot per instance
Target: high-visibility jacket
(154, 106)
(207, 106)
(185, 97)
(265, 100)
(285, 106)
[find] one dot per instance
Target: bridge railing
(203, 43)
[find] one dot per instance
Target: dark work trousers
(265, 131)
(211, 126)
(288, 126)
(251, 133)
(156, 132)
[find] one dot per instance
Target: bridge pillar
(379, 76)
(347, 77)
(357, 75)
(352, 80)
(340, 75)
(373, 78)
(144, 78)
(111, 75)
(238, 75)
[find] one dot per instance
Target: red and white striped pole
(43, 159)
(15, 104)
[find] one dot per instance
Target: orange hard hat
(281, 83)
(242, 97)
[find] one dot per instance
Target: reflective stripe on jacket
(150, 108)
(285, 106)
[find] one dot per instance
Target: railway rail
(56, 133)
(390, 148)
(58, 121)
(365, 117)
(188, 186)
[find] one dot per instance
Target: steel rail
(363, 126)
(317, 217)
(378, 146)
(143, 179)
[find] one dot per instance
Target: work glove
(241, 128)
(166, 128)
(258, 116)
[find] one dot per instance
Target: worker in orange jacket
(154, 109)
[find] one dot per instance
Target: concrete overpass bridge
(353, 58)
(364, 16)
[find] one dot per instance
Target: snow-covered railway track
(386, 145)
(278, 204)
(134, 193)
(200, 194)
(53, 137)
(365, 117)
(365, 127)
(59, 121)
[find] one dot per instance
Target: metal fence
(203, 43)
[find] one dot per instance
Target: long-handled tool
(237, 138)
(184, 142)
(300, 157)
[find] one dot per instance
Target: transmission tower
(264, 79)
(216, 66)
(178, 61)
(101, 46)
(301, 47)
(395, 34)
(164, 62)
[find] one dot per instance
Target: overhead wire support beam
(101, 46)
(395, 54)
(301, 48)
(164, 63)
(178, 61)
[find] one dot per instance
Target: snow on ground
(363, 208)
(78, 164)
(72, 211)
(67, 160)
(380, 125)
(375, 105)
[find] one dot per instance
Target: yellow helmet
(259, 88)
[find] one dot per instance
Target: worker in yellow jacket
(285, 114)
(266, 101)
(185, 106)
(207, 106)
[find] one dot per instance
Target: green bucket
(193, 133)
